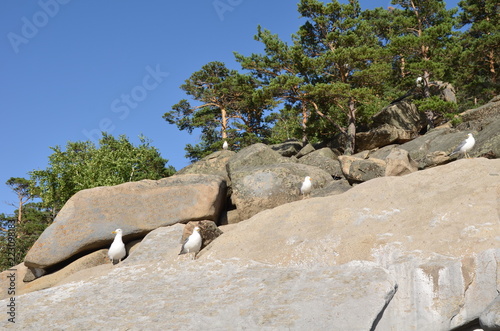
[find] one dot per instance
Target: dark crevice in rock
(381, 313)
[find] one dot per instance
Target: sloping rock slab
(261, 188)
(402, 115)
(222, 295)
(213, 164)
(88, 218)
(448, 210)
(254, 156)
(434, 147)
(382, 136)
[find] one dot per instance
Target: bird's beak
(113, 232)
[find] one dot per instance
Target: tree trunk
(351, 129)
(491, 61)
(224, 123)
(304, 124)
(427, 92)
(20, 211)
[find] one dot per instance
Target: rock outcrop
(259, 188)
(86, 221)
(395, 124)
(415, 252)
(401, 250)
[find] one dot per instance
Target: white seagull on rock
(420, 82)
(465, 146)
(117, 249)
(225, 145)
(306, 186)
(192, 243)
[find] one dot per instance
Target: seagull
(465, 146)
(192, 243)
(117, 249)
(420, 82)
(225, 145)
(306, 186)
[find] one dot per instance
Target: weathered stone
(288, 148)
(399, 163)
(33, 273)
(411, 211)
(305, 150)
(452, 290)
(86, 221)
(333, 188)
(381, 136)
(434, 147)
(432, 229)
(402, 115)
(357, 170)
(254, 156)
(379, 153)
(324, 159)
(162, 244)
(488, 141)
(91, 260)
(208, 230)
(261, 188)
(483, 115)
(220, 295)
(490, 318)
(213, 164)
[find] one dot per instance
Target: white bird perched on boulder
(306, 186)
(465, 146)
(225, 146)
(192, 243)
(420, 82)
(117, 249)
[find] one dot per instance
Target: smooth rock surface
(445, 210)
(219, 295)
(260, 188)
(86, 221)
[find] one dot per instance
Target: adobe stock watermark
(223, 6)
(30, 27)
(127, 101)
(12, 273)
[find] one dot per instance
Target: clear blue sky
(70, 68)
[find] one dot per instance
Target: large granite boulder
(478, 118)
(395, 124)
(382, 136)
(260, 188)
(325, 159)
(488, 141)
(437, 231)
(402, 115)
(388, 161)
(253, 156)
(86, 221)
(434, 148)
(213, 164)
(288, 148)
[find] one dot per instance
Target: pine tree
(231, 107)
(479, 55)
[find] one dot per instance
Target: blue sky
(70, 68)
